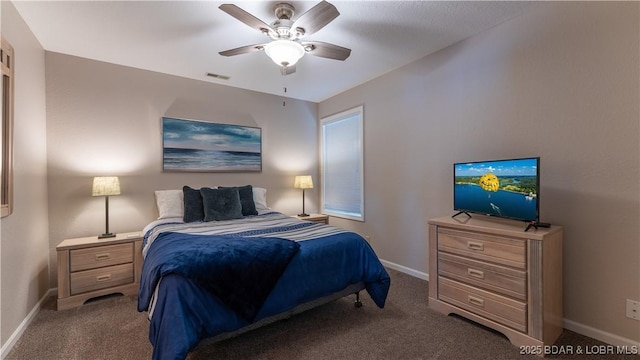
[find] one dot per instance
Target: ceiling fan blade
(242, 50)
(316, 18)
(287, 70)
(246, 18)
(326, 50)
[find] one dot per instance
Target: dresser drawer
(503, 280)
(492, 306)
(496, 249)
(90, 280)
(100, 256)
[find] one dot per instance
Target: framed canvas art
(200, 146)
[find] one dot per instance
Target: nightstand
(90, 267)
(319, 218)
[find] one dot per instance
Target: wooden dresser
(90, 267)
(493, 272)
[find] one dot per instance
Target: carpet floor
(112, 328)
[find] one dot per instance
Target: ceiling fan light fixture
(284, 52)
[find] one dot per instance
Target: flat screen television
(504, 188)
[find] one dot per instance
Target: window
(342, 164)
(6, 147)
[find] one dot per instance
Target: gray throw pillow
(221, 204)
(246, 199)
(193, 208)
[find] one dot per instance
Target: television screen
(503, 188)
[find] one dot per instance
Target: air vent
(218, 76)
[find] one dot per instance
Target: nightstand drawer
(90, 280)
(100, 256)
(497, 249)
(501, 279)
(498, 308)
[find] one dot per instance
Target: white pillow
(170, 203)
(260, 198)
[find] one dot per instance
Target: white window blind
(342, 164)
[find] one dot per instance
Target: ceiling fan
(286, 46)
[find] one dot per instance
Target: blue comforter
(185, 312)
(221, 264)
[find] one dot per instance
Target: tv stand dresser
(493, 272)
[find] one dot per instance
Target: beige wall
(105, 119)
(560, 82)
(24, 242)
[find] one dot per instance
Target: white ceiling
(183, 38)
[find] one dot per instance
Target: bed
(217, 278)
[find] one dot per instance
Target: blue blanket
(222, 265)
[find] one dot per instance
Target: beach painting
(200, 146)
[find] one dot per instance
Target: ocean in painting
(500, 203)
(211, 160)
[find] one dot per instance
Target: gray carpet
(111, 328)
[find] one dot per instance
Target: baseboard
(406, 270)
(6, 348)
(581, 329)
(598, 334)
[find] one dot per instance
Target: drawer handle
(103, 277)
(475, 301)
(475, 273)
(475, 246)
(104, 256)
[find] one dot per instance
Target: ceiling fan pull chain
(284, 103)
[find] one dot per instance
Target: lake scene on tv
(505, 188)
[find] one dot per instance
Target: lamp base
(303, 215)
(107, 235)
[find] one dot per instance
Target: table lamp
(106, 186)
(303, 182)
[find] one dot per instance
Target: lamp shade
(284, 52)
(303, 182)
(105, 186)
